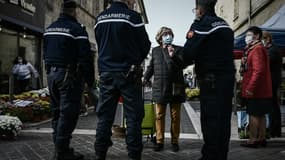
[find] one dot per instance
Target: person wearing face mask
(123, 44)
(23, 72)
(69, 64)
(276, 78)
(209, 46)
(256, 86)
(168, 77)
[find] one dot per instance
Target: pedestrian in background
(69, 64)
(23, 71)
(256, 86)
(276, 78)
(168, 86)
(123, 44)
(210, 47)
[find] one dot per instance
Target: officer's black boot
(136, 156)
(68, 154)
(100, 155)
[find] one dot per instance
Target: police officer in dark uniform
(69, 64)
(210, 47)
(123, 44)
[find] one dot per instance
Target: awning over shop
(275, 25)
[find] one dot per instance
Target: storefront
(21, 28)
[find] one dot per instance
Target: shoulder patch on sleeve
(190, 34)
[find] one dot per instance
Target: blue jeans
(65, 105)
(216, 109)
(112, 86)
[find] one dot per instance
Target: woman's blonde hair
(160, 33)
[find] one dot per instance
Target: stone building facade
(24, 31)
(86, 14)
(241, 14)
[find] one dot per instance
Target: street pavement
(35, 142)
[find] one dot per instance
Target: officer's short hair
(207, 4)
(68, 6)
(160, 33)
(110, 1)
(255, 30)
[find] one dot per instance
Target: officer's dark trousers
(275, 114)
(216, 108)
(112, 85)
(65, 106)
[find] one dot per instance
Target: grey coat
(166, 71)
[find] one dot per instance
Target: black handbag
(178, 89)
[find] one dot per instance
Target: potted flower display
(10, 127)
(192, 94)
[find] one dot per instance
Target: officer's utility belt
(70, 70)
(135, 70)
(67, 67)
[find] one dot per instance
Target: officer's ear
(76, 13)
(131, 4)
(201, 10)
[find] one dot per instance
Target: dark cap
(69, 4)
(206, 3)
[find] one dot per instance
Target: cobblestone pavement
(90, 121)
(31, 146)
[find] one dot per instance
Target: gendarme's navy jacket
(66, 43)
(121, 37)
(210, 46)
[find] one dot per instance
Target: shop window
(29, 47)
(8, 51)
(19, 44)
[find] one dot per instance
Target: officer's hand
(90, 83)
(146, 83)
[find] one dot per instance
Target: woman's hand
(249, 93)
(170, 50)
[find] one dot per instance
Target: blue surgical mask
(248, 39)
(167, 39)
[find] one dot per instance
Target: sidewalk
(195, 106)
(35, 143)
(35, 146)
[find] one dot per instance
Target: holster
(135, 73)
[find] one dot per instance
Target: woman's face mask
(248, 39)
(167, 39)
(20, 60)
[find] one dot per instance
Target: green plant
(24, 114)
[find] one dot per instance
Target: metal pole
(235, 98)
(122, 114)
(11, 87)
